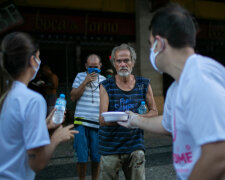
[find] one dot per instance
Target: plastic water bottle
(60, 106)
(142, 108)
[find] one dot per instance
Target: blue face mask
(36, 68)
(153, 55)
(91, 70)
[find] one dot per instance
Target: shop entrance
(66, 59)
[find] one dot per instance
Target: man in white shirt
(194, 108)
(86, 92)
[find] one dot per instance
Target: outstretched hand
(62, 134)
(130, 123)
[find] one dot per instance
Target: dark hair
(175, 24)
(16, 50)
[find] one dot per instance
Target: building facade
(69, 31)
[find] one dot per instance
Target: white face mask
(153, 55)
(36, 68)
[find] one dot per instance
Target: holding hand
(130, 123)
(49, 121)
(91, 77)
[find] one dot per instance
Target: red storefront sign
(80, 24)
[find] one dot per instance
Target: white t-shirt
(194, 111)
(22, 127)
(87, 106)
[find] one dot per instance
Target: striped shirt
(87, 107)
(118, 139)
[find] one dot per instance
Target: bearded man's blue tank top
(118, 139)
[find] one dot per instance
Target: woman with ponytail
(25, 145)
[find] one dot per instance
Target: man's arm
(104, 104)
(150, 101)
(153, 124)
(76, 93)
(211, 164)
(39, 157)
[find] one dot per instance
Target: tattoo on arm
(31, 156)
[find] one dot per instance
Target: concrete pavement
(158, 161)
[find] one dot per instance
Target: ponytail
(17, 48)
(5, 81)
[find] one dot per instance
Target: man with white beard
(121, 147)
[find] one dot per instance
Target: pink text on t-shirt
(183, 157)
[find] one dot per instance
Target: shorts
(133, 166)
(85, 143)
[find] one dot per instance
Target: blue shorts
(85, 143)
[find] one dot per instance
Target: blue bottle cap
(142, 102)
(62, 95)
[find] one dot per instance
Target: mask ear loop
(36, 59)
(163, 44)
(154, 45)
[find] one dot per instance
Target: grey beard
(124, 74)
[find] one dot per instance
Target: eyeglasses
(119, 61)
